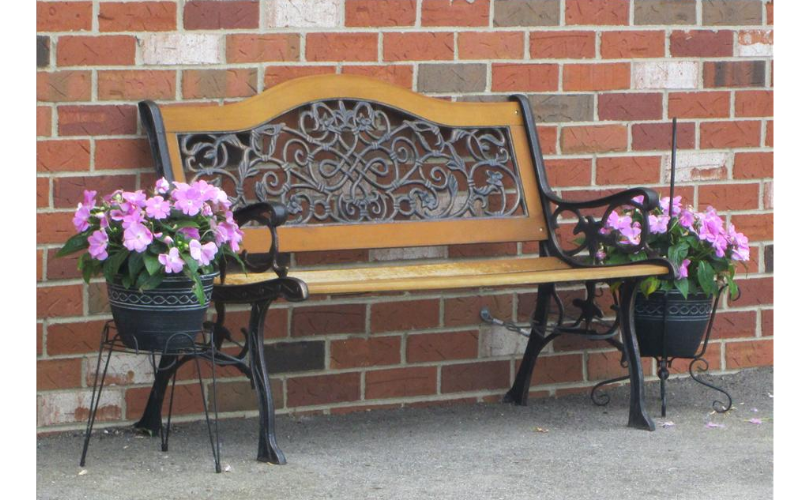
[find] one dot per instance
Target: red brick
(361, 352)
(524, 77)
(323, 389)
(212, 15)
(54, 301)
(273, 75)
(734, 74)
(494, 45)
(757, 227)
(562, 44)
(187, 401)
(558, 369)
(769, 140)
(44, 121)
(487, 375)
(753, 165)
(275, 326)
(755, 291)
(632, 44)
(404, 316)
(596, 12)
(397, 74)
(753, 103)
(548, 137)
(68, 191)
(342, 47)
(608, 76)
(432, 347)
(629, 106)
(63, 16)
(63, 86)
(368, 13)
(748, 354)
(712, 355)
(649, 136)
(400, 382)
(62, 156)
(730, 196)
(767, 322)
(97, 120)
(605, 365)
(42, 192)
(218, 83)
(328, 319)
(266, 47)
(628, 170)
(571, 172)
(62, 268)
(54, 227)
(701, 43)
(138, 16)
(462, 311)
(770, 12)
(700, 104)
(134, 85)
(122, 154)
(58, 374)
(108, 50)
(594, 139)
(736, 134)
(39, 339)
(482, 250)
(733, 324)
(74, 338)
(455, 13)
(436, 46)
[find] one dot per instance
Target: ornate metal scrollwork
(347, 161)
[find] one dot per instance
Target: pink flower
(740, 244)
(232, 234)
(631, 234)
(203, 254)
(98, 245)
(600, 255)
(188, 199)
(171, 261)
(616, 222)
(658, 224)
(134, 217)
(720, 244)
(134, 199)
(683, 270)
(81, 219)
(190, 232)
(137, 237)
(162, 186)
(89, 198)
(687, 219)
(638, 199)
(157, 208)
(676, 205)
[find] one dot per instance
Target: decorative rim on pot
(174, 293)
(679, 308)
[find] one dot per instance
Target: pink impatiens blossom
(133, 199)
(162, 186)
(204, 254)
(137, 237)
(676, 205)
(98, 245)
(190, 232)
(89, 198)
(171, 261)
(683, 270)
(687, 220)
(157, 208)
(134, 217)
(658, 224)
(631, 234)
(81, 218)
(188, 199)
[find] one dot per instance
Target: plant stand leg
(165, 432)
(638, 416)
(268, 450)
(518, 394)
(96, 393)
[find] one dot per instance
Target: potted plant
(705, 251)
(159, 255)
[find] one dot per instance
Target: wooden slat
(452, 275)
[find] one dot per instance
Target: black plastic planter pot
(686, 323)
(149, 320)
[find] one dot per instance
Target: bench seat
(458, 274)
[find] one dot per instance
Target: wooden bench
(341, 162)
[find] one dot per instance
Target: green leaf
(649, 286)
(74, 244)
(185, 223)
(151, 263)
(683, 287)
(733, 288)
(151, 282)
(113, 263)
(135, 265)
(707, 278)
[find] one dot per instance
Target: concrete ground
(553, 449)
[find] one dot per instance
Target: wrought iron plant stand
(171, 358)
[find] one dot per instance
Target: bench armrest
(272, 215)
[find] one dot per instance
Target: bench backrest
(361, 164)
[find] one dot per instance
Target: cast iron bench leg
(518, 394)
(268, 450)
(151, 417)
(638, 416)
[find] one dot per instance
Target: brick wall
(604, 77)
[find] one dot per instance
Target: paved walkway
(553, 449)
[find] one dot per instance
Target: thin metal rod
(165, 432)
(95, 402)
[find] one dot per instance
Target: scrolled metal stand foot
(718, 406)
(599, 397)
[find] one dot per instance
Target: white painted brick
(769, 195)
(754, 43)
(54, 408)
(409, 253)
(180, 48)
(666, 75)
(497, 341)
(123, 369)
(304, 13)
(697, 167)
